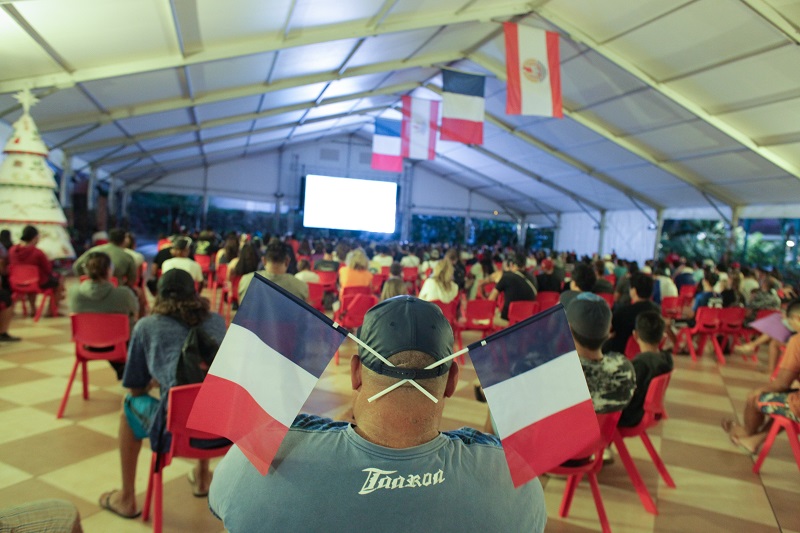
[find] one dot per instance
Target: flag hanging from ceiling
(271, 358)
(537, 393)
(386, 145)
(419, 128)
(462, 107)
(533, 71)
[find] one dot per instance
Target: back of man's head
(584, 277)
(650, 327)
(643, 285)
(589, 319)
(276, 253)
(181, 246)
(116, 236)
(29, 233)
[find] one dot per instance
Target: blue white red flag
(386, 145)
(533, 71)
(420, 119)
(537, 393)
(463, 107)
(271, 358)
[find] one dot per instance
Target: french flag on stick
(463, 107)
(533, 71)
(271, 358)
(386, 145)
(537, 394)
(420, 118)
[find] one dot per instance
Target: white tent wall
(626, 234)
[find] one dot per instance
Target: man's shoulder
(471, 436)
(314, 423)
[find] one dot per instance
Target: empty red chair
(686, 295)
(706, 326)
(654, 412)
(205, 265)
(183, 444)
(450, 312)
(351, 313)
(792, 431)
(608, 297)
(24, 280)
(479, 316)
(97, 336)
(385, 271)
(547, 299)
(590, 467)
(632, 348)
(520, 310)
(315, 294)
(731, 326)
(671, 307)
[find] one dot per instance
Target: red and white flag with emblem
(418, 135)
(534, 72)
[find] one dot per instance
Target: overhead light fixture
(790, 243)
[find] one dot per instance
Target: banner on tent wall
(386, 145)
(419, 128)
(533, 71)
(463, 107)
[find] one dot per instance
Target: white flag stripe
(385, 144)
(419, 140)
(556, 385)
(278, 385)
(462, 107)
(537, 97)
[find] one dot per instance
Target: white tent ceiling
(667, 103)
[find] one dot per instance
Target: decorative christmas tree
(27, 187)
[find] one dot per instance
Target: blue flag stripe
(523, 347)
(289, 326)
(389, 128)
(461, 83)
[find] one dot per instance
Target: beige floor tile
(42, 390)
(106, 424)
(21, 346)
(23, 422)
(708, 401)
(5, 365)
(104, 522)
(739, 499)
(10, 475)
(707, 435)
(780, 474)
(35, 331)
(61, 366)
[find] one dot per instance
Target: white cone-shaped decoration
(27, 187)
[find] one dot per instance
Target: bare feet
(200, 480)
(112, 501)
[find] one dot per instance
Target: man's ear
(355, 372)
(452, 380)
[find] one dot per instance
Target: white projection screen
(350, 204)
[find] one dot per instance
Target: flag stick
(446, 359)
(370, 350)
(387, 390)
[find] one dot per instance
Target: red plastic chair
(479, 316)
(547, 299)
(377, 283)
(205, 265)
(593, 465)
(179, 405)
(232, 293)
(731, 326)
(485, 290)
(608, 297)
(632, 348)
(411, 275)
(520, 310)
(315, 294)
(24, 280)
(654, 412)
(450, 312)
(792, 431)
(328, 280)
(706, 326)
(216, 281)
(686, 295)
(671, 307)
(385, 271)
(351, 313)
(109, 332)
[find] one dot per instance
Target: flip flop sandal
(105, 503)
(727, 424)
(742, 447)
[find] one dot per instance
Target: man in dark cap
(391, 470)
(153, 353)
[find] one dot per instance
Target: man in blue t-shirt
(392, 470)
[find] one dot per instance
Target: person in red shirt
(26, 253)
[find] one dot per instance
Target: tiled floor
(76, 457)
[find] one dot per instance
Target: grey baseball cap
(589, 315)
(405, 323)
